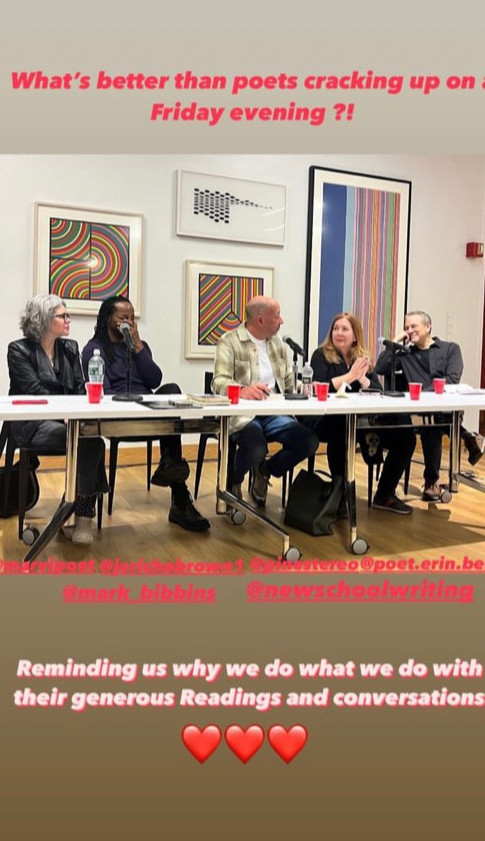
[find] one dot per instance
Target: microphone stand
(395, 352)
(127, 397)
(295, 395)
(294, 371)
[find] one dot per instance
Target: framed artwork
(216, 207)
(216, 298)
(86, 256)
(357, 253)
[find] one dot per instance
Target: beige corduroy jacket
(237, 361)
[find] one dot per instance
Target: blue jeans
(298, 442)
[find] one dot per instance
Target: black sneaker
(170, 471)
(185, 514)
(474, 444)
(258, 485)
(392, 504)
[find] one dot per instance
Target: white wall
(447, 211)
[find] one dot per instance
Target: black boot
(184, 513)
(170, 470)
(474, 444)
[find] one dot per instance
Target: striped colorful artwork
(88, 261)
(222, 303)
(359, 259)
(358, 254)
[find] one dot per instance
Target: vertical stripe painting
(357, 253)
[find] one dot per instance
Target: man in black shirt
(429, 358)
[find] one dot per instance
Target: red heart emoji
(244, 743)
(201, 743)
(287, 743)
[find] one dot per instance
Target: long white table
(112, 418)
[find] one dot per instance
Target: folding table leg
(68, 503)
(357, 544)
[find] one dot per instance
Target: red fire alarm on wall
(474, 249)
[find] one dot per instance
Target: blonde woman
(343, 358)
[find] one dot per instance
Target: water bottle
(96, 368)
(306, 380)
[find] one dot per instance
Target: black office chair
(372, 453)
(113, 463)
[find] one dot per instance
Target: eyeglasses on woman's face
(64, 315)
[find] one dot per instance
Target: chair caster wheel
(359, 546)
(30, 535)
(237, 517)
(292, 554)
(445, 495)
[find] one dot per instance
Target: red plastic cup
(94, 391)
(233, 392)
(439, 385)
(321, 390)
(415, 391)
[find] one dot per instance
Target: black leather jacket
(31, 372)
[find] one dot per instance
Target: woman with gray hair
(46, 361)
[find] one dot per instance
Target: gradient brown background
(368, 771)
(125, 773)
(254, 39)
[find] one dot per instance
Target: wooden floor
(139, 525)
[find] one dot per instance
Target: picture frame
(357, 253)
(216, 298)
(216, 207)
(86, 255)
